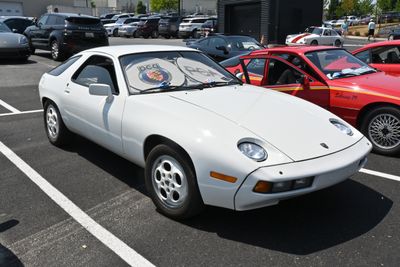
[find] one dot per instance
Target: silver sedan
(13, 45)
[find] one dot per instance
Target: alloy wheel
(52, 122)
(169, 181)
(384, 131)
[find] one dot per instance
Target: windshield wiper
(169, 88)
(216, 84)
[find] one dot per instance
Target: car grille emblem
(324, 145)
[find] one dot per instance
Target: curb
(365, 38)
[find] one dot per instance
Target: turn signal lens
(262, 187)
(282, 186)
(223, 177)
(303, 182)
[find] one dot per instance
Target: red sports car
(383, 56)
(334, 79)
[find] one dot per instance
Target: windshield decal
(199, 71)
(152, 72)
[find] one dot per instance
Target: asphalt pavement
(355, 223)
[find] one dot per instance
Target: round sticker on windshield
(199, 71)
(154, 72)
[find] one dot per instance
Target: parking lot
(85, 206)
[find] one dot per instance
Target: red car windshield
(337, 63)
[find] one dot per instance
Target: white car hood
(294, 126)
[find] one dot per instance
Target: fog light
(302, 183)
(262, 187)
(282, 186)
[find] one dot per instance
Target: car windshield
(158, 72)
(338, 63)
(4, 28)
(244, 43)
(317, 31)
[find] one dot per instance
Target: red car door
(280, 75)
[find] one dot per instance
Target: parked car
(353, 20)
(364, 20)
(13, 45)
(108, 15)
(335, 80)
(66, 33)
(112, 28)
(221, 47)
(394, 34)
(114, 18)
(316, 36)
(384, 56)
(210, 26)
(129, 30)
(203, 137)
(169, 26)
(388, 17)
(191, 27)
(17, 24)
(148, 27)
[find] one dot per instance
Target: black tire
(135, 34)
(385, 117)
(314, 42)
(62, 135)
(31, 47)
(145, 36)
(167, 36)
(155, 34)
(192, 204)
(56, 52)
(338, 43)
(115, 32)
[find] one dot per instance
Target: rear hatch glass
(83, 21)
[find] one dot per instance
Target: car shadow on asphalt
(7, 257)
(118, 167)
(16, 62)
(302, 225)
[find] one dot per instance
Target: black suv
(64, 34)
(169, 26)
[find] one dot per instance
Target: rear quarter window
(63, 66)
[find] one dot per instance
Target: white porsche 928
(203, 137)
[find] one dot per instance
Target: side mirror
(305, 81)
(239, 75)
(101, 90)
(222, 48)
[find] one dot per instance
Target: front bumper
(184, 34)
(327, 171)
(20, 52)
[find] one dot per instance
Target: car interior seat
(392, 57)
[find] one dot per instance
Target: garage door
(243, 19)
(10, 9)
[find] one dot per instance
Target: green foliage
(158, 5)
(385, 5)
(365, 7)
(333, 6)
(141, 9)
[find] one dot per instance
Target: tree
(158, 5)
(141, 9)
(385, 5)
(332, 8)
(365, 7)
(397, 7)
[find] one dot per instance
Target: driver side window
(42, 21)
(97, 69)
(280, 73)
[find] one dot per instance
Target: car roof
(71, 15)
(383, 43)
(120, 50)
(295, 49)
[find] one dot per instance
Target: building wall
(278, 18)
(35, 8)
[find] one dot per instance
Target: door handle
(67, 90)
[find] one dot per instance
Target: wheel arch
(154, 140)
(371, 106)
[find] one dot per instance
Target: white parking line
(9, 107)
(21, 112)
(381, 174)
(129, 255)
